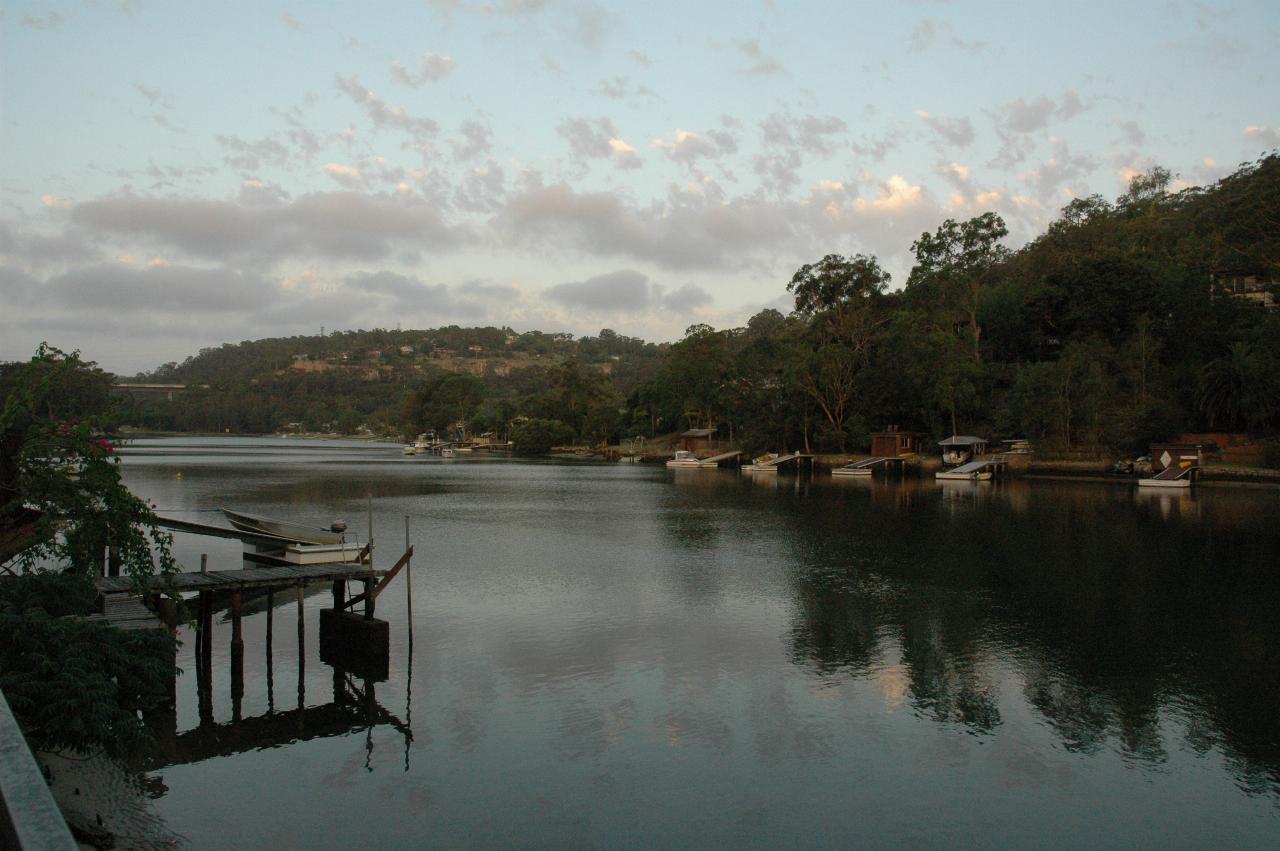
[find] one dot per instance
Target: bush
(1271, 453)
(536, 437)
(72, 683)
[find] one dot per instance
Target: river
(627, 656)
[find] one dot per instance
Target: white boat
(684, 459)
(297, 554)
(285, 529)
(408, 449)
(762, 464)
(1170, 477)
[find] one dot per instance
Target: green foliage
(1271, 453)
(66, 472)
(538, 436)
(72, 683)
(76, 684)
(836, 282)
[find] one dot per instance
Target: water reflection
(706, 657)
(1113, 620)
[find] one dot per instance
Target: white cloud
(759, 63)
(431, 68)
(956, 131)
(1267, 136)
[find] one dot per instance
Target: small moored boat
(285, 529)
(684, 458)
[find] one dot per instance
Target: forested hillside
(1126, 322)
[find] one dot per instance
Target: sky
(176, 175)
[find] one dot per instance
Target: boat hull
(281, 528)
(857, 472)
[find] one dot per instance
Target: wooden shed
(894, 444)
(1164, 455)
(699, 438)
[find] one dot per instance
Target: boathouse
(961, 448)
(893, 443)
(699, 438)
(1165, 455)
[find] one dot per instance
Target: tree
(956, 261)
(60, 482)
(538, 436)
(837, 283)
(71, 683)
(841, 298)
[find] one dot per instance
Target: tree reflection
(1111, 618)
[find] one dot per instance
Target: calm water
(626, 656)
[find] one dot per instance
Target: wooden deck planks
(252, 577)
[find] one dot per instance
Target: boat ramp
(867, 466)
(772, 463)
(976, 471)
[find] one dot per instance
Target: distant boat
(284, 528)
(448, 452)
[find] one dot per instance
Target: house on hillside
(1255, 287)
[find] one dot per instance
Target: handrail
(29, 817)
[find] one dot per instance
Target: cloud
(1063, 169)
(1268, 136)
(956, 131)
(117, 287)
(474, 140)
(345, 175)
(292, 23)
(787, 139)
(431, 68)
(1016, 120)
(380, 112)
(687, 232)
(954, 173)
(810, 133)
(687, 147)
(926, 33)
(685, 299)
(408, 293)
(621, 290)
(1133, 133)
(597, 139)
(51, 21)
(251, 156)
(759, 64)
(623, 89)
(589, 24)
(626, 290)
(327, 224)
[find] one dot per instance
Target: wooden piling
(237, 657)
